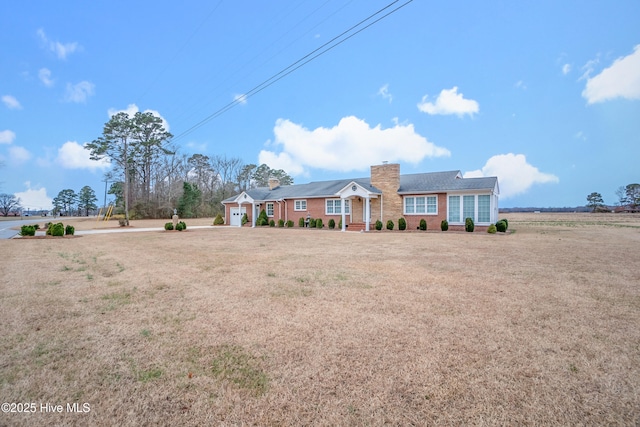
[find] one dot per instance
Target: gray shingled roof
(443, 181)
(413, 183)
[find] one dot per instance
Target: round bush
(506, 221)
(289, 223)
(332, 223)
(501, 226)
(218, 220)
(272, 223)
(312, 223)
(402, 224)
(444, 225)
(378, 225)
(168, 226)
(301, 222)
(469, 225)
(319, 223)
(389, 225)
(69, 230)
(492, 229)
(27, 230)
(180, 226)
(423, 225)
(57, 229)
(281, 223)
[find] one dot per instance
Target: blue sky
(545, 95)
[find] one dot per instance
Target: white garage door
(236, 216)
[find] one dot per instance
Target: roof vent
(384, 162)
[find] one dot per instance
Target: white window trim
(475, 214)
(346, 204)
(415, 205)
(301, 209)
(272, 209)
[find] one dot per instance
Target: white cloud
(566, 69)
(79, 92)
(11, 102)
(350, 145)
(131, 111)
(7, 136)
(62, 50)
(449, 102)
(620, 80)
(240, 99)
(34, 198)
(45, 77)
(74, 156)
(515, 175)
(384, 93)
(19, 154)
(521, 85)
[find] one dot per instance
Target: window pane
(469, 207)
(484, 208)
(420, 205)
(432, 206)
(338, 206)
(269, 209)
(454, 208)
(408, 205)
(303, 205)
(329, 207)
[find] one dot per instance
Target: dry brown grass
(232, 326)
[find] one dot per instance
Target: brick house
(384, 195)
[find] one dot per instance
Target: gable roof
(430, 182)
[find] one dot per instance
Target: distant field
(241, 326)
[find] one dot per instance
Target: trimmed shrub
(492, 229)
(468, 225)
(263, 219)
(332, 223)
(218, 220)
(272, 223)
(36, 226)
(168, 226)
(340, 224)
(444, 225)
(506, 221)
(378, 225)
(402, 224)
(290, 223)
(281, 223)
(312, 223)
(319, 223)
(423, 225)
(244, 220)
(389, 225)
(181, 226)
(501, 226)
(28, 230)
(57, 229)
(69, 230)
(301, 222)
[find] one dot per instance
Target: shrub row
(179, 226)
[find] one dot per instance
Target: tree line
(150, 178)
(628, 199)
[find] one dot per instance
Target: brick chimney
(274, 183)
(386, 177)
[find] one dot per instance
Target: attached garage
(236, 216)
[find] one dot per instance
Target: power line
(326, 47)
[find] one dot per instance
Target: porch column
(344, 218)
(367, 213)
(239, 213)
(254, 217)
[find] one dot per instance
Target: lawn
(241, 326)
